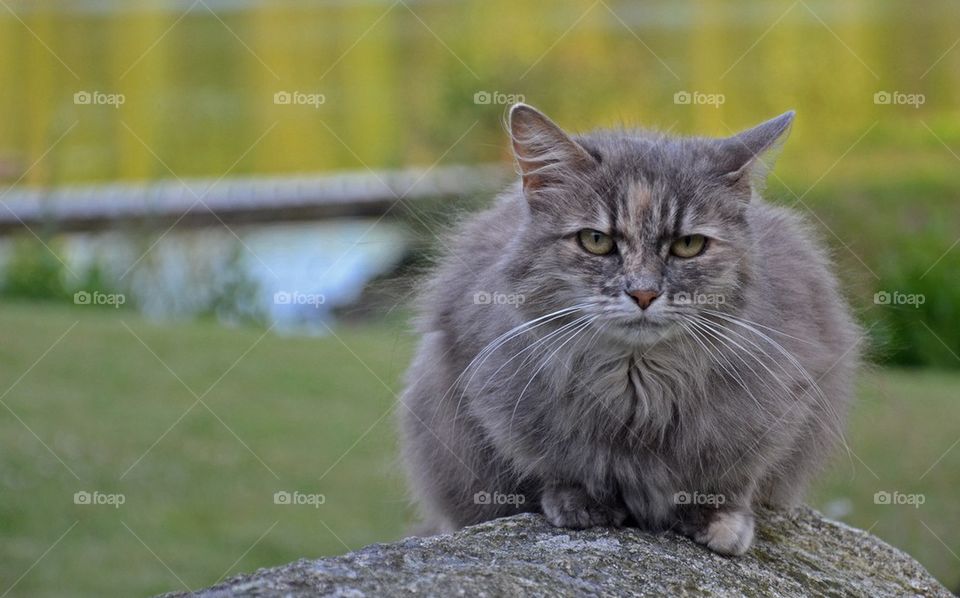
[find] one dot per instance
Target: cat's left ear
(750, 155)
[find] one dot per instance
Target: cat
(630, 335)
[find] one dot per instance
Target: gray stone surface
(799, 553)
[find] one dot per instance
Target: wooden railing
(247, 200)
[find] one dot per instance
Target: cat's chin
(644, 333)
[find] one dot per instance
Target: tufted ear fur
(543, 150)
(749, 156)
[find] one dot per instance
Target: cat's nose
(643, 297)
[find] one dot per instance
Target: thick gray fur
(729, 391)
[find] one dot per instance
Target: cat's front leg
(569, 505)
(725, 530)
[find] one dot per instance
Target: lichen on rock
(797, 553)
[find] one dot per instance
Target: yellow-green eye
(689, 246)
(596, 242)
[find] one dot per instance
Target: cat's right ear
(543, 150)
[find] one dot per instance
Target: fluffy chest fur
(581, 412)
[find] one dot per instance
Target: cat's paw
(573, 508)
(728, 532)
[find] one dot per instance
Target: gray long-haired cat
(630, 335)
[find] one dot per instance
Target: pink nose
(643, 297)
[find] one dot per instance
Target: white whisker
(571, 336)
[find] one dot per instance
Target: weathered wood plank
(246, 200)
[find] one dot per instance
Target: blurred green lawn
(201, 498)
(313, 415)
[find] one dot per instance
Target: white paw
(729, 532)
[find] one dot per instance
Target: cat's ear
(750, 155)
(543, 151)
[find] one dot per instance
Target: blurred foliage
(919, 305)
(234, 295)
(216, 286)
(898, 259)
(34, 271)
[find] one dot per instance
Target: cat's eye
(596, 242)
(689, 246)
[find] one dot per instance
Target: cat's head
(642, 229)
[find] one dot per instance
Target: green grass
(201, 498)
(903, 437)
(308, 410)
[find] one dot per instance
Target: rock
(797, 553)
